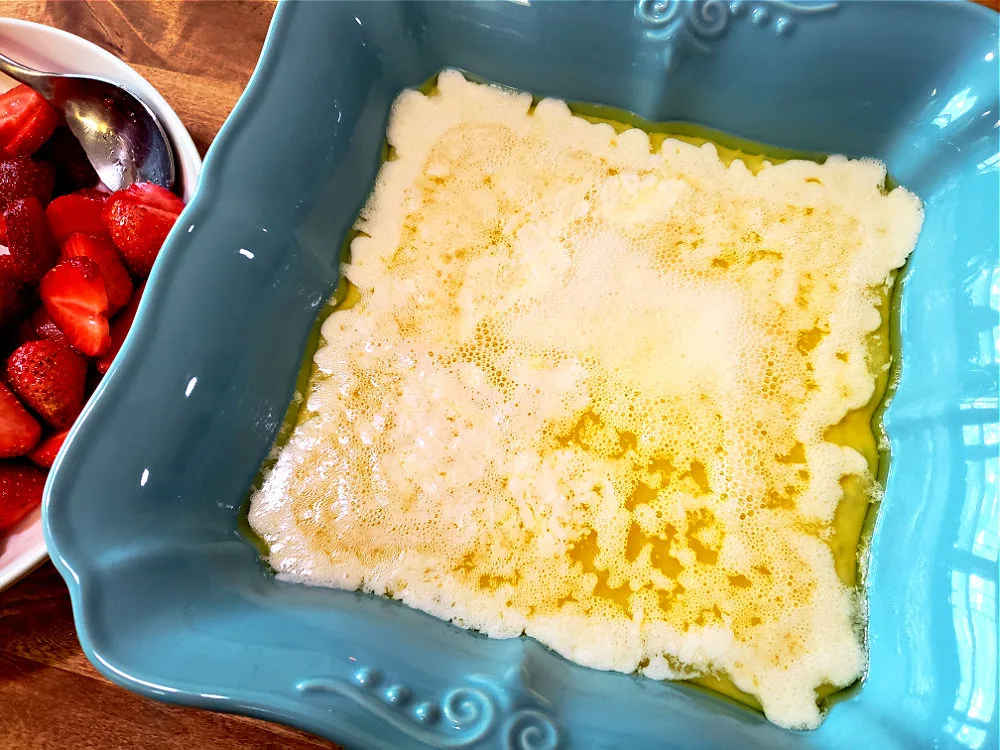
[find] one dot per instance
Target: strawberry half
(117, 282)
(19, 432)
(47, 450)
(26, 121)
(119, 330)
(30, 251)
(45, 328)
(138, 220)
(21, 487)
(21, 177)
(49, 377)
(74, 294)
(154, 196)
(76, 212)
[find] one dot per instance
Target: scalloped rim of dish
(246, 701)
(34, 550)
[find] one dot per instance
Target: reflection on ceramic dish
(59, 51)
(170, 600)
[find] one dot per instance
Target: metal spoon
(123, 140)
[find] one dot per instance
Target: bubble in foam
(586, 391)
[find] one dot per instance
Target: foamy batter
(584, 394)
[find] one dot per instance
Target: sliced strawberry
(12, 300)
(21, 177)
(155, 196)
(49, 377)
(21, 487)
(119, 330)
(30, 251)
(76, 212)
(26, 121)
(75, 296)
(100, 191)
(45, 454)
(138, 220)
(73, 170)
(44, 327)
(19, 431)
(100, 250)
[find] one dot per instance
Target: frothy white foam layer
(585, 391)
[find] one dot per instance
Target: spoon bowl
(123, 139)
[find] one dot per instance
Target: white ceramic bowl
(54, 50)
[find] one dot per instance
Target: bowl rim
(190, 163)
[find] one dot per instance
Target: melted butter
(645, 463)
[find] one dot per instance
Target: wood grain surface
(199, 55)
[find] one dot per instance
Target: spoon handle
(39, 81)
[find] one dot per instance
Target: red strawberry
(119, 330)
(100, 250)
(154, 196)
(45, 328)
(45, 453)
(12, 300)
(75, 296)
(21, 177)
(100, 191)
(49, 377)
(19, 432)
(138, 220)
(26, 121)
(21, 488)
(3, 230)
(77, 212)
(73, 170)
(30, 252)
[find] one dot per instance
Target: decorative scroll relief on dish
(682, 25)
(503, 708)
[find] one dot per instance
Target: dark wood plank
(218, 39)
(46, 707)
(199, 55)
(52, 697)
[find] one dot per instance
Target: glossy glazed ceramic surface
(58, 51)
(141, 511)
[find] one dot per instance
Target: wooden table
(50, 695)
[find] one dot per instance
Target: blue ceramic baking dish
(141, 509)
